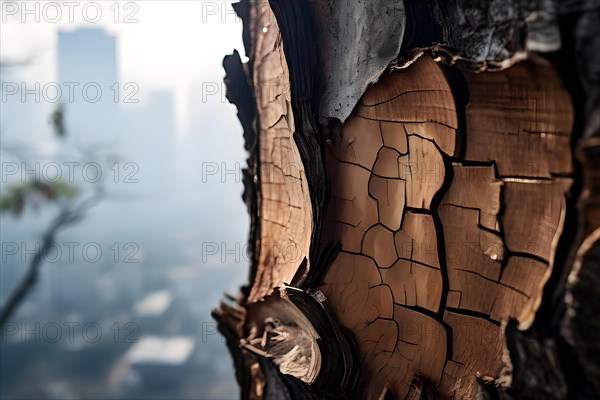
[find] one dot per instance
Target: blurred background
(120, 199)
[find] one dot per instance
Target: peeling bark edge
(496, 33)
(299, 37)
(240, 93)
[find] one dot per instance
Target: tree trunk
(420, 226)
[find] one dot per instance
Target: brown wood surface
(408, 204)
(439, 249)
(285, 211)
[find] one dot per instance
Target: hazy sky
(162, 44)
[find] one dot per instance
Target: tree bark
(420, 225)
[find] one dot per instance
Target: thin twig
(67, 216)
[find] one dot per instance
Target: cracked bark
(420, 226)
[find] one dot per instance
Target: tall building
(91, 91)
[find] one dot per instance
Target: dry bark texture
(415, 205)
(284, 204)
(423, 284)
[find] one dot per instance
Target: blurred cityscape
(121, 309)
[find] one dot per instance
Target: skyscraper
(91, 91)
